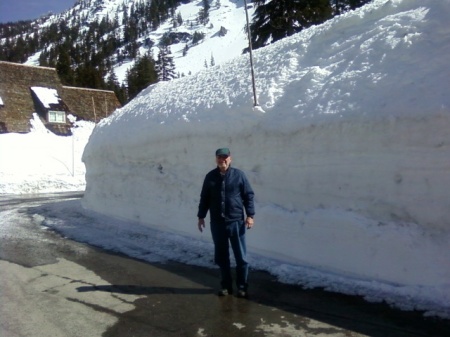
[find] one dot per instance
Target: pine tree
(206, 5)
(88, 76)
(63, 67)
(185, 49)
(141, 75)
(342, 6)
(277, 19)
(179, 19)
(197, 37)
(113, 84)
(112, 81)
(203, 14)
(165, 66)
(43, 60)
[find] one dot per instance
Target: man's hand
(201, 224)
(249, 222)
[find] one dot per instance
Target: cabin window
(56, 116)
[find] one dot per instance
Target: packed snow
(348, 154)
(46, 96)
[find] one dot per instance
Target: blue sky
(15, 10)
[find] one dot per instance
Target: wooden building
(25, 90)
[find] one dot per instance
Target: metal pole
(255, 100)
(73, 154)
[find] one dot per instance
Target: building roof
(90, 104)
(18, 105)
(26, 89)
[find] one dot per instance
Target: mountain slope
(227, 16)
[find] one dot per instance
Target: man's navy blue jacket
(226, 197)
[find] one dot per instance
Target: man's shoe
(242, 294)
(224, 292)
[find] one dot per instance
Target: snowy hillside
(225, 15)
(347, 153)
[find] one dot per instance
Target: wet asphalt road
(52, 286)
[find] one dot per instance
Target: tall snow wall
(348, 153)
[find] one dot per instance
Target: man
(226, 193)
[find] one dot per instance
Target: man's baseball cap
(223, 152)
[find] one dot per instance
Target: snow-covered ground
(42, 162)
(348, 154)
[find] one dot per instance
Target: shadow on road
(139, 290)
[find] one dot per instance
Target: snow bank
(348, 152)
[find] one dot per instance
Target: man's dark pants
(225, 234)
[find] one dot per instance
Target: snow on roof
(46, 95)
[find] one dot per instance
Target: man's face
(223, 162)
